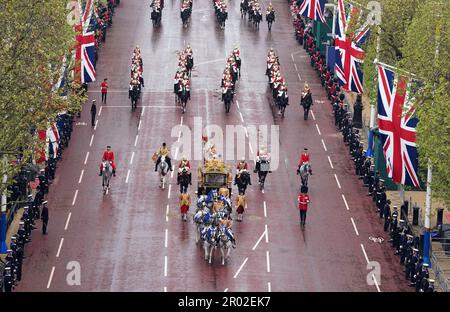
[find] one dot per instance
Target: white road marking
(142, 113)
(176, 154)
(181, 122)
(292, 56)
(100, 111)
(364, 252)
(331, 164)
(139, 126)
(295, 65)
(337, 181)
(166, 238)
(168, 193)
(171, 175)
(50, 278)
(268, 261)
(135, 141)
(259, 240)
(299, 78)
(269, 287)
(81, 176)
(92, 139)
(246, 132)
(345, 202)
(96, 122)
(128, 175)
(67, 222)
(167, 213)
(312, 114)
(226, 290)
(237, 104)
(179, 136)
(376, 283)
(242, 118)
(354, 226)
(267, 233)
(240, 268)
(74, 198)
(165, 289)
(59, 248)
(131, 160)
(318, 130)
(165, 265)
(251, 149)
(324, 147)
(265, 209)
(86, 158)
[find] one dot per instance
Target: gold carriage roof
(215, 165)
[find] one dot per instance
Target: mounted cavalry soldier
(163, 151)
(108, 155)
(184, 166)
(304, 159)
(270, 16)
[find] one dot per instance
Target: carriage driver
(304, 159)
(108, 155)
(163, 151)
(184, 165)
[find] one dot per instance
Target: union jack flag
(313, 9)
(349, 55)
(85, 50)
(397, 128)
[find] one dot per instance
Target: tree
(35, 39)
(427, 53)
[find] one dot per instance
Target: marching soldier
(303, 201)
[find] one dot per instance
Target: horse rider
(270, 9)
(242, 166)
(261, 155)
(163, 151)
(108, 155)
(184, 165)
(304, 159)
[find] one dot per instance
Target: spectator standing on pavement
(44, 217)
(303, 200)
(104, 88)
(93, 112)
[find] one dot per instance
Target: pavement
(133, 239)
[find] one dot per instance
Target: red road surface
(119, 239)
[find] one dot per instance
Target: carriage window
(215, 179)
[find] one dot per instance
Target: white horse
(210, 241)
(198, 220)
(304, 172)
(163, 168)
(106, 176)
(224, 243)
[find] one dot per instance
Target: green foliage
(34, 40)
(428, 31)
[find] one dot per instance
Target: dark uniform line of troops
(276, 82)
(182, 80)
(220, 9)
(12, 267)
(186, 11)
(137, 79)
(231, 74)
(405, 245)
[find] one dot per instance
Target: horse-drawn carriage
(213, 175)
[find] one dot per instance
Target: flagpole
(372, 105)
(427, 234)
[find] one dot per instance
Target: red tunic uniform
(239, 166)
(108, 155)
(303, 200)
(303, 158)
(104, 86)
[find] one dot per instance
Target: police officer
(44, 217)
